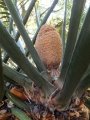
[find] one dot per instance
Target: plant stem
(64, 26)
(25, 35)
(84, 83)
(16, 76)
(45, 19)
(24, 22)
(14, 51)
(79, 62)
(20, 114)
(77, 9)
(1, 79)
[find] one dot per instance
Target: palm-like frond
(1, 79)
(4, 13)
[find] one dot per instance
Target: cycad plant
(51, 79)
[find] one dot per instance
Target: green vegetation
(21, 66)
